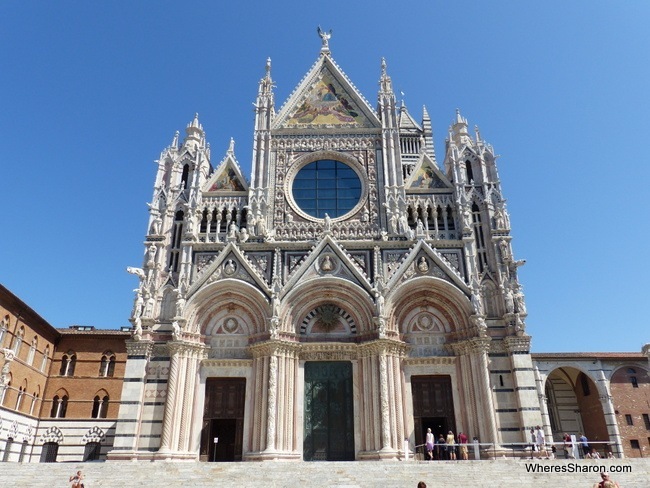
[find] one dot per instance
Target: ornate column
(479, 347)
(166, 437)
(383, 402)
(127, 430)
(470, 420)
(272, 403)
(605, 398)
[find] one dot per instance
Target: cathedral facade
(353, 293)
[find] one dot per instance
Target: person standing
(541, 442)
(462, 440)
(568, 448)
(533, 442)
(584, 444)
(429, 444)
(451, 445)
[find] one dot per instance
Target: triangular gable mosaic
(326, 103)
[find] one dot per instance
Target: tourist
(462, 440)
(429, 444)
(422, 484)
(568, 446)
(610, 455)
(533, 442)
(75, 480)
(584, 444)
(541, 442)
(594, 454)
(441, 448)
(451, 445)
(606, 482)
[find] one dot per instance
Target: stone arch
(52, 434)
(211, 307)
(429, 305)
(573, 403)
(352, 303)
(95, 434)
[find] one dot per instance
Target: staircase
(496, 473)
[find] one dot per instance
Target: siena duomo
(358, 289)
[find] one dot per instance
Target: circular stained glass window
(327, 187)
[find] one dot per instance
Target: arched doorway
(574, 407)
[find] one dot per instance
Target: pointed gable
(426, 176)
(423, 260)
(327, 259)
(231, 263)
(228, 176)
(326, 98)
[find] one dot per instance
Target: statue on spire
(325, 37)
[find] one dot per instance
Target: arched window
(46, 354)
(177, 235)
(21, 395)
(100, 407)
(107, 365)
(68, 363)
(4, 325)
(184, 177)
(479, 237)
(59, 407)
(33, 405)
(468, 171)
(4, 391)
(19, 340)
(32, 351)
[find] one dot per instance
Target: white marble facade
(409, 275)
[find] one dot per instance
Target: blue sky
(92, 92)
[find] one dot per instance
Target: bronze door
(329, 419)
(223, 419)
(433, 406)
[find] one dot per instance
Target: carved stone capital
(517, 343)
(139, 348)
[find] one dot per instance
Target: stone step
(501, 473)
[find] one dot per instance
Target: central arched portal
(329, 418)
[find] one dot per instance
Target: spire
(325, 37)
(428, 133)
(459, 132)
(385, 83)
(266, 83)
(194, 131)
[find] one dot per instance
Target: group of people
(585, 450)
(445, 448)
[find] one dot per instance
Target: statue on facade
(176, 331)
(520, 303)
(509, 300)
(327, 224)
(419, 229)
(243, 235)
(232, 231)
(151, 256)
(503, 248)
(477, 304)
(155, 226)
(325, 37)
(180, 302)
(499, 219)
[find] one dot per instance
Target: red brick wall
(635, 402)
(591, 410)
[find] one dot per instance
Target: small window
(631, 371)
(628, 419)
(46, 353)
(634, 444)
(646, 420)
